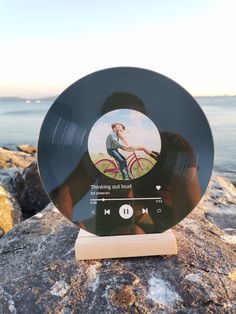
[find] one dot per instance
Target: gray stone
(220, 208)
(7, 178)
(29, 190)
(1, 232)
(39, 274)
(12, 159)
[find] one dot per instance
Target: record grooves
(125, 151)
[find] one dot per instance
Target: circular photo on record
(123, 124)
(124, 144)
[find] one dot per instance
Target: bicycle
(137, 166)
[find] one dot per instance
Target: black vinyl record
(125, 151)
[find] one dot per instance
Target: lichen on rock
(10, 211)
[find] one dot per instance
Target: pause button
(126, 211)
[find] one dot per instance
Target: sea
(20, 122)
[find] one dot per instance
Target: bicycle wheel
(107, 167)
(140, 167)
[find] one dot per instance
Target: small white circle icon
(126, 211)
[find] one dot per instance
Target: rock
(26, 148)
(10, 211)
(29, 190)
(10, 147)
(12, 159)
(7, 178)
(1, 232)
(221, 204)
(39, 274)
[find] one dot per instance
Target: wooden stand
(89, 246)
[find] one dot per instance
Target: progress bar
(124, 199)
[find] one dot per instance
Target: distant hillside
(49, 98)
(220, 96)
(53, 98)
(11, 98)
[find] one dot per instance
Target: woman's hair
(115, 124)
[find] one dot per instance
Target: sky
(48, 45)
(139, 131)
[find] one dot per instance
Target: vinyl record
(125, 151)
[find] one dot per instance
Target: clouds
(97, 137)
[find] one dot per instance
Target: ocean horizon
(21, 119)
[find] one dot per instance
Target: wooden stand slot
(89, 246)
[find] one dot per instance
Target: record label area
(125, 151)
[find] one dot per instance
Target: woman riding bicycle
(113, 144)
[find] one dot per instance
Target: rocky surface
(29, 190)
(221, 204)
(13, 159)
(19, 176)
(7, 178)
(39, 274)
(30, 149)
(10, 211)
